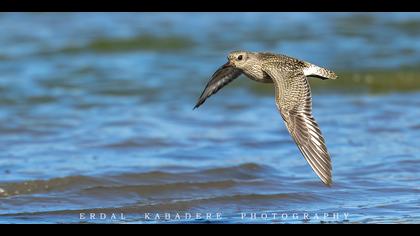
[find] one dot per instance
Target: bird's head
(240, 59)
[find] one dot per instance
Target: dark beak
(228, 64)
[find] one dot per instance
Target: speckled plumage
(292, 96)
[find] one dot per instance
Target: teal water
(96, 117)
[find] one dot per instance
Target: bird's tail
(319, 72)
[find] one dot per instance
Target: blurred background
(96, 116)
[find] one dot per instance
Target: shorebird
(292, 97)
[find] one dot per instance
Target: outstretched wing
(293, 99)
(224, 75)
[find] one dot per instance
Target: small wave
(415, 127)
(145, 182)
(160, 189)
(42, 186)
(242, 167)
(384, 130)
(245, 171)
(138, 143)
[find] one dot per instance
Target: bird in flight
(292, 96)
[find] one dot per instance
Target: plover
(292, 97)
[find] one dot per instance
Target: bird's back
(288, 63)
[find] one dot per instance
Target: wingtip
(328, 183)
(197, 106)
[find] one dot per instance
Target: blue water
(96, 117)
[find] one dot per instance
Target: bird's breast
(258, 75)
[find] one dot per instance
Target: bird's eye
(239, 57)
